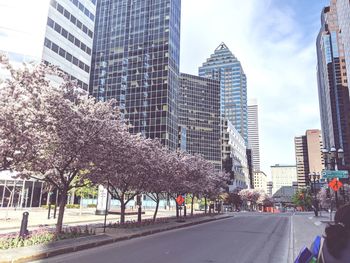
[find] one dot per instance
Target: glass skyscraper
(199, 117)
(343, 15)
(225, 67)
(332, 84)
(135, 60)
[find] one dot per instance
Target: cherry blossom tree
(20, 112)
(250, 195)
(50, 131)
(124, 166)
(161, 174)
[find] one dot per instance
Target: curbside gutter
(291, 251)
(42, 253)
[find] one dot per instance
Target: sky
(273, 39)
(275, 42)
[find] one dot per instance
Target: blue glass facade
(136, 61)
(332, 86)
(225, 67)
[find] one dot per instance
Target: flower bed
(147, 222)
(42, 236)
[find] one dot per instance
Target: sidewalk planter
(41, 236)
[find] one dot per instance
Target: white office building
(59, 32)
(238, 154)
(283, 175)
(253, 133)
(260, 181)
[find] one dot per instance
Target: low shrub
(47, 207)
(42, 236)
(133, 223)
(91, 205)
(72, 206)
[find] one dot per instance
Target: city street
(248, 237)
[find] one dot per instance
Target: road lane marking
(318, 223)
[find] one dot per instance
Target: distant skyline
(275, 42)
(273, 39)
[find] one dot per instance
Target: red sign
(335, 184)
(180, 200)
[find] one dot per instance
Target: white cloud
(22, 26)
(280, 65)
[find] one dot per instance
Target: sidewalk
(306, 227)
(112, 235)
(10, 221)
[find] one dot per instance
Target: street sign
(180, 200)
(335, 184)
(335, 174)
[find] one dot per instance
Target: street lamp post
(332, 159)
(313, 178)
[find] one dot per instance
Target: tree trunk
(192, 200)
(156, 211)
(177, 210)
(62, 202)
(205, 205)
(122, 209)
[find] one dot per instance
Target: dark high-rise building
(332, 84)
(224, 66)
(199, 117)
(135, 60)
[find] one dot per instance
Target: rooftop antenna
(221, 46)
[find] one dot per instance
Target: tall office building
(225, 67)
(234, 156)
(332, 84)
(63, 34)
(199, 117)
(253, 133)
(136, 61)
(308, 155)
(283, 176)
(343, 14)
(260, 181)
(69, 37)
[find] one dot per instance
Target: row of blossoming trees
(255, 197)
(58, 134)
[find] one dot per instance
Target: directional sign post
(328, 174)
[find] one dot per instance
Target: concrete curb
(108, 240)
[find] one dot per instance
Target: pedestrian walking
(335, 247)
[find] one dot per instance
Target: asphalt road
(244, 238)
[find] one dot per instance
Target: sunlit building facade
(69, 37)
(260, 181)
(222, 65)
(235, 149)
(136, 61)
(253, 133)
(283, 176)
(308, 155)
